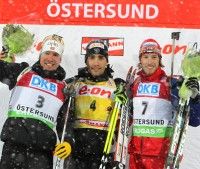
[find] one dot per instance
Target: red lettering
(95, 90)
(103, 92)
(113, 44)
(179, 48)
(167, 49)
(120, 43)
(83, 90)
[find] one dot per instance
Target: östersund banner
(156, 13)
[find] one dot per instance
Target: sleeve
(195, 112)
(10, 71)
(175, 85)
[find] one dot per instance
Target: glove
(193, 84)
(120, 94)
(63, 150)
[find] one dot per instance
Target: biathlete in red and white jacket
(153, 104)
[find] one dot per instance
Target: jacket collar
(156, 76)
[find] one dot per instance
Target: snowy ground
(192, 146)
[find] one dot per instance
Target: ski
(179, 151)
(190, 67)
(109, 138)
(123, 132)
(122, 140)
(178, 137)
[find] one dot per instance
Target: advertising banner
(148, 13)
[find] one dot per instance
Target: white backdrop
(133, 37)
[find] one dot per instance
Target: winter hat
(150, 46)
(53, 43)
(96, 47)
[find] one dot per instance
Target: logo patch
(95, 91)
(148, 89)
(96, 45)
(40, 83)
(96, 50)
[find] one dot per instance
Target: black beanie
(96, 47)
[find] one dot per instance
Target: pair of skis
(190, 67)
(109, 138)
(123, 131)
(179, 135)
(180, 124)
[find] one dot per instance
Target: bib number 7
(145, 104)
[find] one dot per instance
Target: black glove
(179, 81)
(5, 49)
(69, 89)
(193, 84)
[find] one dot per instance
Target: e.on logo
(90, 90)
(167, 49)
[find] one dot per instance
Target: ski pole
(179, 149)
(174, 37)
(123, 133)
(122, 140)
(184, 114)
(178, 132)
(58, 160)
(111, 129)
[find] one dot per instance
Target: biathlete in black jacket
(95, 91)
(36, 101)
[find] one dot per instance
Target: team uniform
(94, 94)
(154, 112)
(28, 133)
(93, 105)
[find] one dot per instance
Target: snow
(133, 36)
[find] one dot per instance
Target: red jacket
(152, 116)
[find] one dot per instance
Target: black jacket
(86, 141)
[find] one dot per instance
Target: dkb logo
(148, 89)
(40, 83)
